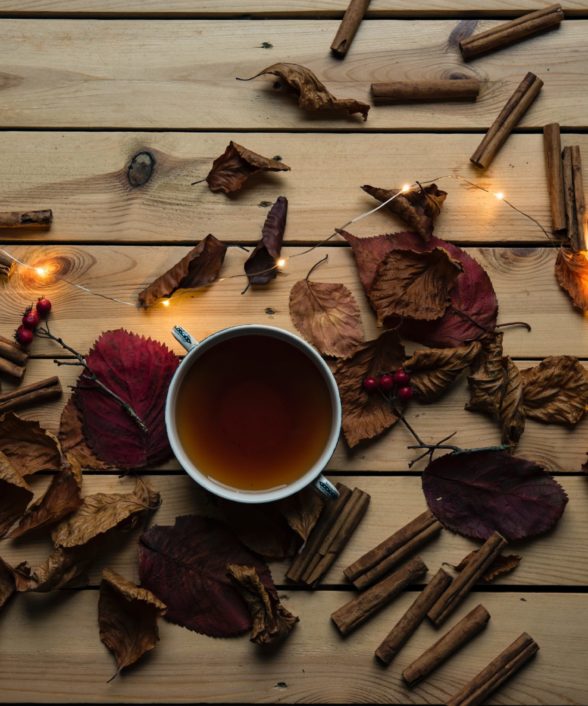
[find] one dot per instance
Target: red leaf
(139, 370)
(476, 493)
(185, 566)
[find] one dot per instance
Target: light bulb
(499, 195)
(281, 263)
(165, 302)
(41, 272)
(405, 189)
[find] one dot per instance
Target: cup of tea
(253, 413)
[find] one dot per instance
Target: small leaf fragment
(301, 511)
(236, 165)
(503, 564)
(260, 266)
(571, 272)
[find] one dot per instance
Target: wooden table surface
(87, 84)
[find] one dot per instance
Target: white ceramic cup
(194, 350)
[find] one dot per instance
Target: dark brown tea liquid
(253, 412)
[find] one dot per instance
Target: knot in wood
(140, 169)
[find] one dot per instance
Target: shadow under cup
(254, 414)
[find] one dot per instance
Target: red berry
(43, 307)
(401, 377)
(24, 336)
(31, 319)
(405, 393)
(370, 384)
(386, 382)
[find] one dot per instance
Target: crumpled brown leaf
(367, 415)
(417, 208)
(127, 618)
(236, 165)
(7, 584)
(328, 316)
(503, 564)
(260, 266)
(30, 448)
(73, 442)
(571, 272)
(556, 390)
(434, 370)
(199, 268)
(15, 494)
(271, 621)
(414, 284)
(312, 93)
(60, 568)
(302, 510)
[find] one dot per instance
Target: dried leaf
(556, 390)
(271, 621)
(186, 567)
(571, 272)
(139, 371)
(102, 512)
(199, 268)
(503, 564)
(312, 93)
(62, 497)
(367, 415)
(328, 316)
(417, 208)
(512, 413)
(301, 511)
(7, 584)
(413, 284)
(60, 568)
(434, 370)
(260, 266)
(127, 618)
(15, 494)
(30, 448)
(236, 165)
(73, 443)
(476, 493)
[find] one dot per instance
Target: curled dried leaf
(199, 268)
(236, 165)
(271, 621)
(7, 584)
(312, 93)
(260, 266)
(60, 568)
(571, 272)
(15, 494)
(503, 564)
(30, 447)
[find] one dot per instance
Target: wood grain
(180, 74)
(83, 178)
(68, 662)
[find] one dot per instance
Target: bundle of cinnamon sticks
(13, 359)
(30, 395)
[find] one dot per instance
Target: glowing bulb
(165, 302)
(499, 195)
(41, 271)
(405, 188)
(281, 263)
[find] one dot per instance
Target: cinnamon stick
(414, 616)
(6, 265)
(10, 369)
(553, 164)
(352, 18)
(29, 395)
(508, 662)
(432, 90)
(508, 33)
(26, 219)
(354, 613)
(516, 106)
(12, 351)
(574, 198)
(464, 581)
(453, 640)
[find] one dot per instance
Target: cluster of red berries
(30, 320)
(389, 382)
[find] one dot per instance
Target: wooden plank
(51, 652)
(555, 447)
(559, 559)
(181, 74)
(82, 177)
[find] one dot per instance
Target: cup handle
(326, 488)
(184, 338)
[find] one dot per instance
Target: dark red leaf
(476, 493)
(139, 370)
(260, 266)
(185, 566)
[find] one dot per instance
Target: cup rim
(235, 494)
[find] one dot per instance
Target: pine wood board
(558, 559)
(51, 652)
(82, 177)
(181, 74)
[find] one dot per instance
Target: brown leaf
(434, 370)
(60, 568)
(199, 268)
(28, 445)
(556, 390)
(328, 316)
(127, 618)
(571, 272)
(312, 93)
(102, 512)
(260, 266)
(233, 168)
(61, 499)
(73, 443)
(15, 494)
(414, 284)
(7, 583)
(271, 621)
(503, 564)
(417, 208)
(512, 413)
(301, 511)
(367, 415)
